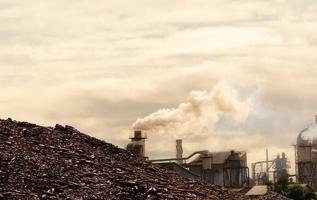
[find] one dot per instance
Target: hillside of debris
(271, 196)
(61, 163)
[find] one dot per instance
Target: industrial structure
(179, 151)
(306, 156)
(228, 169)
(270, 170)
(137, 144)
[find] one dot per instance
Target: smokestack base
(137, 145)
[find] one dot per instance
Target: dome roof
(308, 136)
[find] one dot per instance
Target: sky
(101, 65)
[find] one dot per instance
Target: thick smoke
(199, 115)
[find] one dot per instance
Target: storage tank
(233, 170)
(306, 151)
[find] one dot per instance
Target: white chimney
(179, 151)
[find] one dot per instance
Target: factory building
(228, 169)
(306, 156)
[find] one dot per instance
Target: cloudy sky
(100, 65)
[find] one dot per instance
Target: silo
(306, 151)
(234, 173)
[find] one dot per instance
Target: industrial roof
(308, 136)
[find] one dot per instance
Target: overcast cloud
(100, 65)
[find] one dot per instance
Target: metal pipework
(259, 162)
(178, 159)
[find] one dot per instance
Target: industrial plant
(229, 169)
(226, 169)
(270, 169)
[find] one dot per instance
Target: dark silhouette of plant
(294, 191)
(281, 186)
(270, 185)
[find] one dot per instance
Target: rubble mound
(271, 196)
(61, 163)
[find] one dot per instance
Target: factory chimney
(179, 151)
(267, 161)
(137, 145)
(315, 119)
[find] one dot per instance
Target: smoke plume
(199, 115)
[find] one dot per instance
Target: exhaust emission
(199, 114)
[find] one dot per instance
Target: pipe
(259, 162)
(177, 159)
